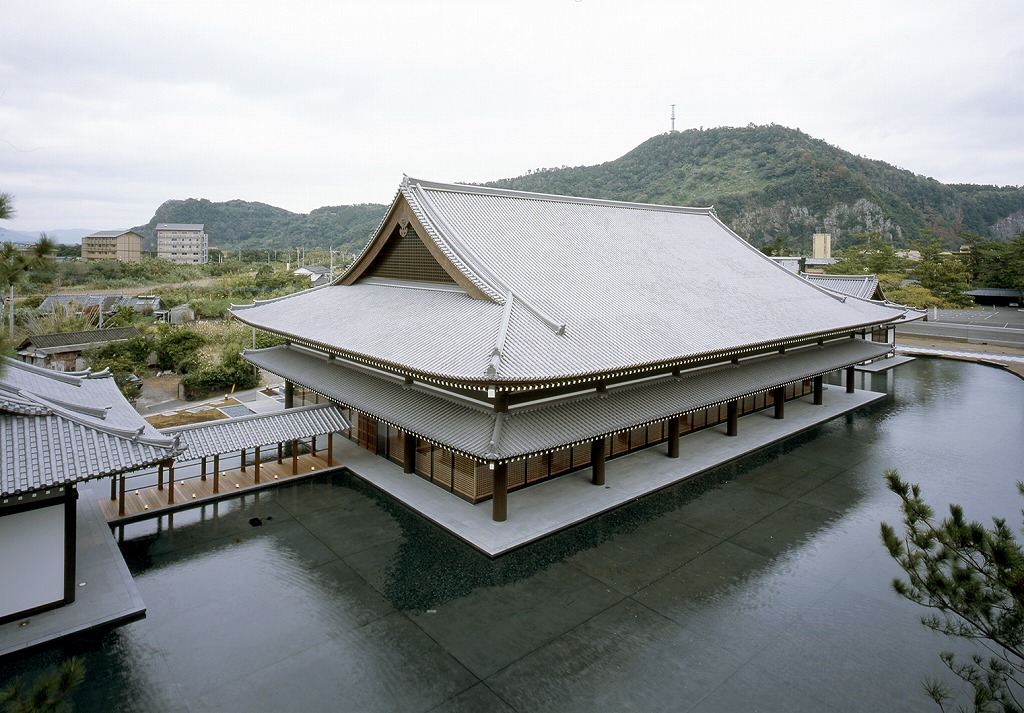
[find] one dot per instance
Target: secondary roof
(465, 283)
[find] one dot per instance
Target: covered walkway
(224, 458)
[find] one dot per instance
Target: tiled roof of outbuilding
(88, 337)
(864, 287)
(206, 439)
(478, 432)
(58, 428)
(574, 287)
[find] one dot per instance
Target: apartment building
(121, 245)
(185, 243)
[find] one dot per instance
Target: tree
(48, 694)
(972, 576)
(6, 206)
(15, 266)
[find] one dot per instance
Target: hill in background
(771, 181)
(768, 183)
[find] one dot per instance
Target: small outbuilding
(63, 351)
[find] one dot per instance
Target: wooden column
(170, 482)
(732, 427)
(330, 450)
(160, 477)
(818, 397)
(597, 461)
(409, 453)
(673, 437)
(256, 467)
(779, 396)
(280, 453)
(202, 469)
(312, 448)
(295, 457)
(849, 379)
(499, 503)
(242, 466)
(289, 394)
(113, 487)
(120, 497)
(216, 473)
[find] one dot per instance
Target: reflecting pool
(762, 585)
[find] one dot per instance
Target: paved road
(1000, 325)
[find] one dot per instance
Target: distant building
(821, 245)
(63, 351)
(865, 287)
(313, 272)
(100, 304)
(183, 243)
(123, 245)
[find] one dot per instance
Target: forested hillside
(771, 184)
(770, 181)
(234, 225)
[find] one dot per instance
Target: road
(999, 325)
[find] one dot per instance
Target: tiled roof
(108, 233)
(993, 292)
(58, 428)
(470, 428)
(206, 439)
(575, 287)
(108, 302)
(179, 226)
(863, 287)
(49, 343)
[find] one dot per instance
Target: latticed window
(407, 258)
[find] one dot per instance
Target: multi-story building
(121, 245)
(185, 243)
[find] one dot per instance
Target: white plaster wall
(31, 559)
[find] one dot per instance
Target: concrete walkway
(539, 510)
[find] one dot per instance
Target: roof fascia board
(400, 209)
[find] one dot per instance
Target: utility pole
(673, 118)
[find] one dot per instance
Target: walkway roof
(214, 437)
(476, 431)
(536, 288)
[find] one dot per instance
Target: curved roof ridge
(443, 234)
(557, 198)
(257, 303)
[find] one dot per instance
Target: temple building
(487, 340)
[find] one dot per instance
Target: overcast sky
(107, 109)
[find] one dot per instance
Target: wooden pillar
(779, 394)
(120, 497)
(242, 466)
(160, 477)
(113, 487)
(170, 482)
(849, 379)
(295, 457)
(597, 461)
(216, 473)
(409, 453)
(330, 450)
(280, 453)
(732, 427)
(673, 437)
(312, 442)
(499, 503)
(202, 469)
(289, 394)
(256, 466)
(818, 397)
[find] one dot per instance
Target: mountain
(68, 236)
(237, 224)
(768, 183)
(771, 181)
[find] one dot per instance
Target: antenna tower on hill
(673, 118)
